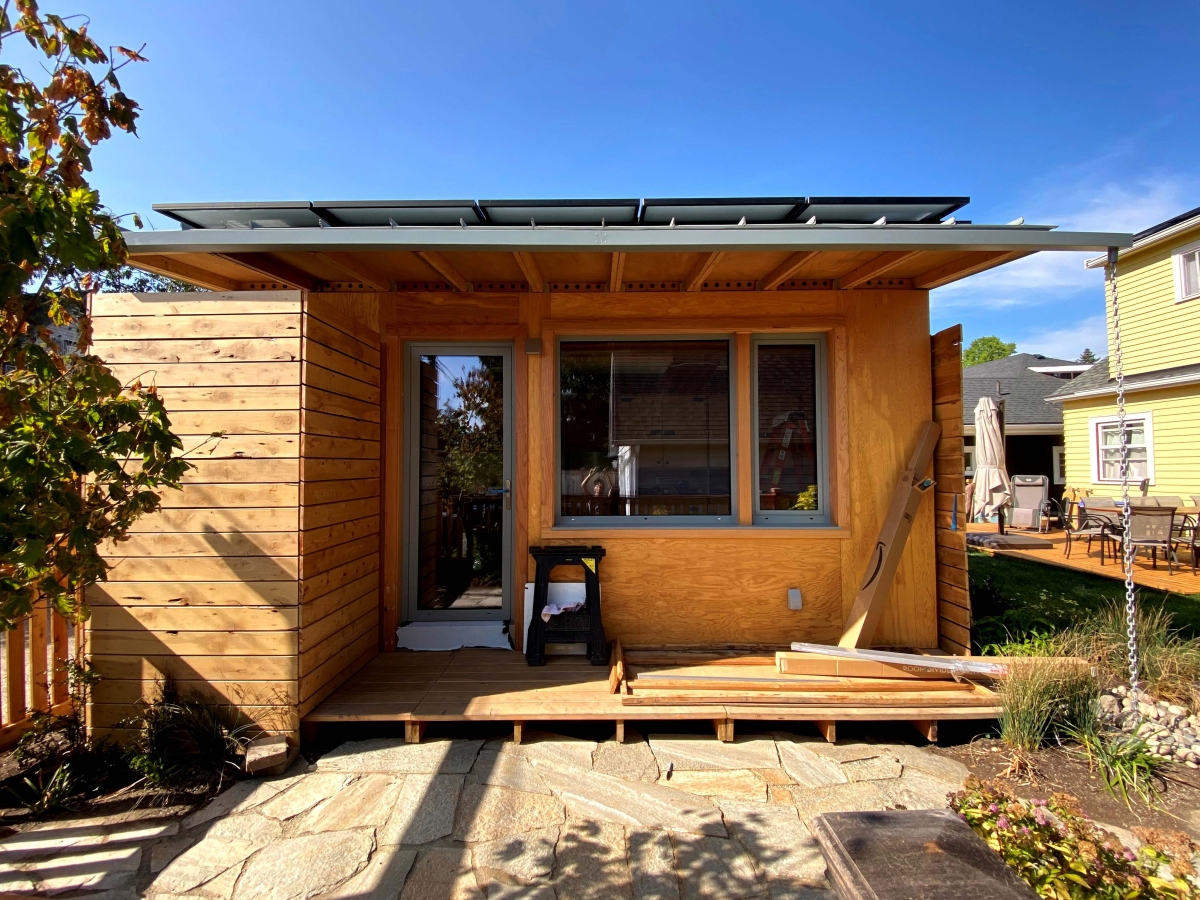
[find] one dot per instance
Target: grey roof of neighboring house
(1024, 391)
(1098, 382)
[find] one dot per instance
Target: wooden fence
(33, 675)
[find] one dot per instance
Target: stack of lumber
(758, 684)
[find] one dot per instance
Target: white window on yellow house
(1059, 459)
(1187, 273)
(1106, 448)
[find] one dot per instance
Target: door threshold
(452, 636)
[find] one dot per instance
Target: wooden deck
(497, 685)
(1182, 582)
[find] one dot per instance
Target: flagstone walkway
(551, 819)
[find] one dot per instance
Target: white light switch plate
(794, 599)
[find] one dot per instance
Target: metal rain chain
(1127, 549)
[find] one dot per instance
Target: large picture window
(791, 486)
(644, 431)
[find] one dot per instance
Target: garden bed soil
(1062, 770)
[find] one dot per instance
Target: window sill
(703, 532)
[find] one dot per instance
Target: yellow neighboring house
(1158, 284)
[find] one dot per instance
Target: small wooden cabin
(721, 393)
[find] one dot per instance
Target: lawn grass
(1016, 598)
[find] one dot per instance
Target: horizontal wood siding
(340, 497)
(207, 591)
(1176, 456)
(953, 597)
(1156, 332)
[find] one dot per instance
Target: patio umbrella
(992, 488)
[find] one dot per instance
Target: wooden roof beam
(442, 266)
(964, 266)
(275, 269)
(785, 270)
(873, 268)
(537, 284)
(700, 271)
(355, 271)
(173, 268)
(616, 274)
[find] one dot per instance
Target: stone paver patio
(553, 818)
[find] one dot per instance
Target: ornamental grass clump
(1063, 855)
(1044, 697)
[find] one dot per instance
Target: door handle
(506, 491)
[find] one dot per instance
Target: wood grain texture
(340, 493)
(953, 581)
(207, 589)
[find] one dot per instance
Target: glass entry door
(458, 478)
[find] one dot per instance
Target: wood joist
(523, 271)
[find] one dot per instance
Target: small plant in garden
(1061, 853)
(1124, 761)
(61, 766)
(185, 743)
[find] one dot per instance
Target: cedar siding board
(953, 598)
(206, 591)
(339, 505)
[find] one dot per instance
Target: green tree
(986, 349)
(81, 455)
(1087, 356)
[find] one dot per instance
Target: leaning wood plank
(885, 558)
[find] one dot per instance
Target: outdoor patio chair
(1030, 501)
(1185, 532)
(1195, 499)
(1150, 528)
(1087, 525)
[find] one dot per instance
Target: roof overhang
(1156, 236)
(1132, 385)
(755, 243)
(634, 239)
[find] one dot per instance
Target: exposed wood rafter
(173, 268)
(785, 270)
(616, 275)
(537, 284)
(354, 270)
(275, 269)
(442, 266)
(964, 266)
(873, 268)
(707, 263)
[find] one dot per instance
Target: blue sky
(1066, 113)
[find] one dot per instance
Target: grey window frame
(413, 351)
(644, 522)
(791, 518)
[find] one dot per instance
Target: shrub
(1061, 853)
(185, 743)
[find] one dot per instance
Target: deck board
(497, 685)
(1144, 574)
